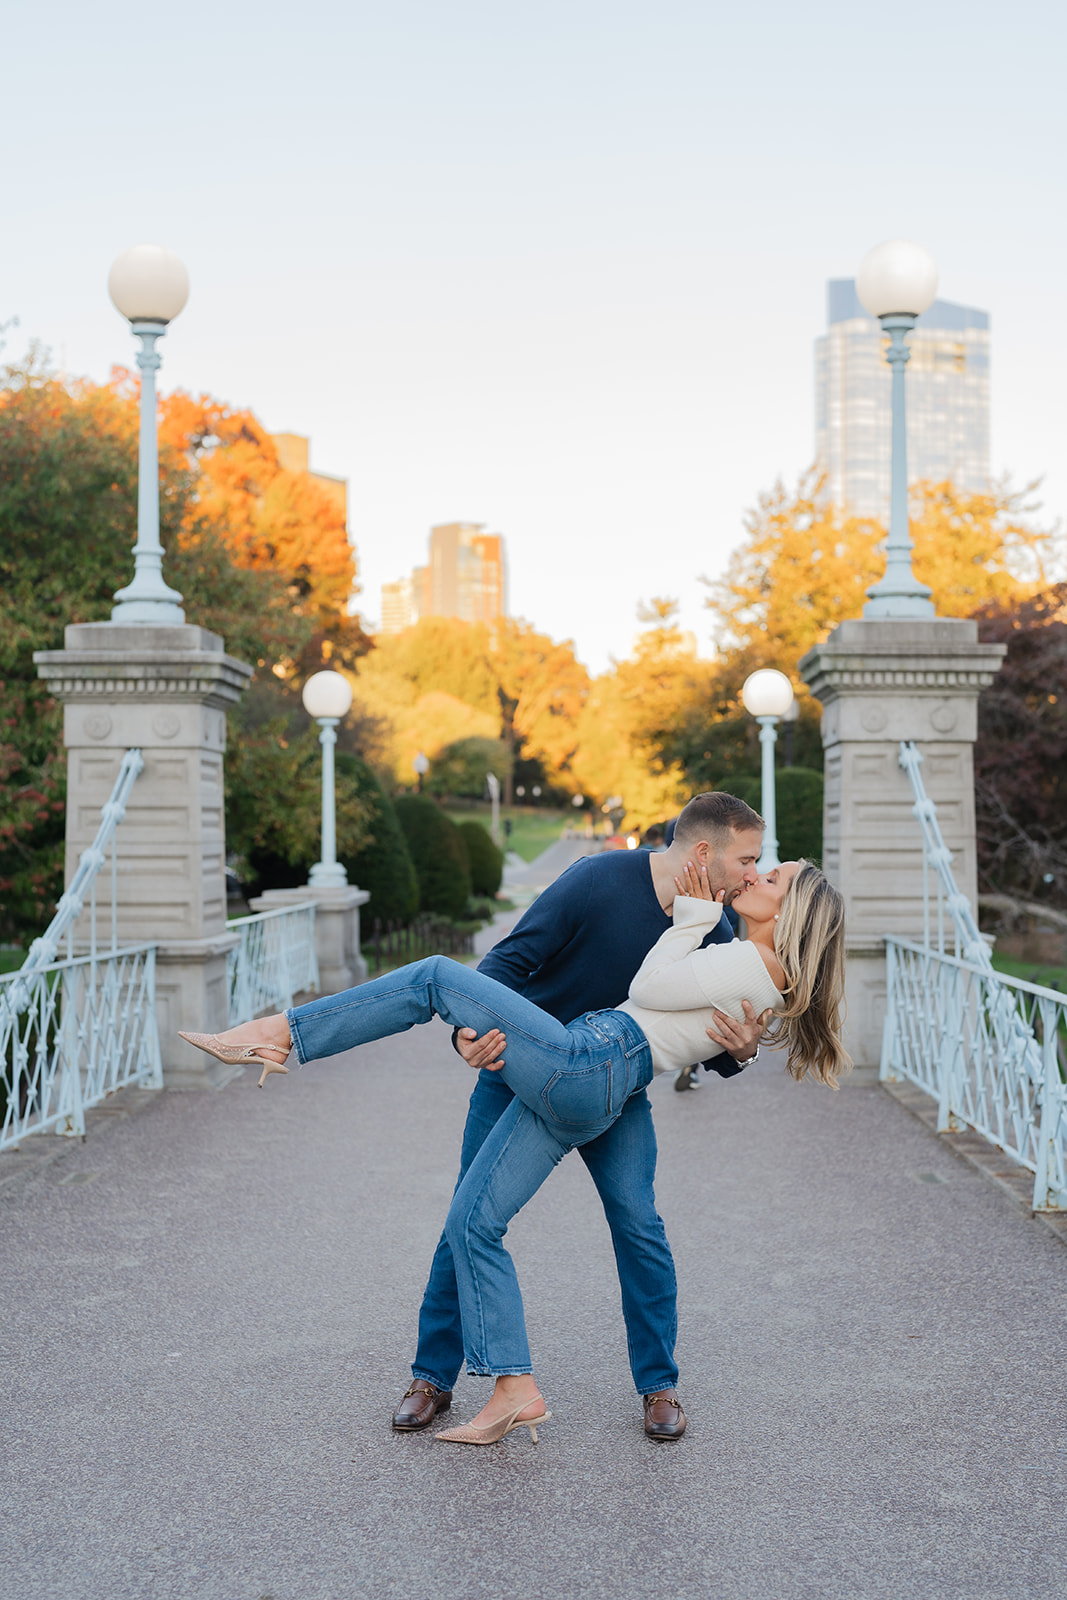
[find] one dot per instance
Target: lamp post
(149, 286)
(767, 695)
(492, 783)
(327, 697)
(896, 283)
(421, 763)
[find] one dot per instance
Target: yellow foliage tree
(806, 564)
(627, 727)
(444, 680)
(270, 518)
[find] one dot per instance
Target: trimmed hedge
(487, 862)
(798, 804)
(439, 852)
(384, 866)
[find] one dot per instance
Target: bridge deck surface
(209, 1310)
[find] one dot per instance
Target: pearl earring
(776, 916)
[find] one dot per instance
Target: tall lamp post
(327, 697)
(767, 695)
(421, 763)
(896, 283)
(149, 286)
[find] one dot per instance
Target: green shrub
(487, 862)
(440, 855)
(383, 865)
(462, 767)
(798, 804)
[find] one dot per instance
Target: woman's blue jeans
(570, 1084)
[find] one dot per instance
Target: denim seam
(332, 1011)
(473, 1269)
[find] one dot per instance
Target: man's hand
(484, 1052)
(739, 1039)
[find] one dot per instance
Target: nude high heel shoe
(237, 1055)
(466, 1434)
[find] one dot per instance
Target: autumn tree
(1020, 756)
(444, 681)
(629, 730)
(806, 564)
(68, 515)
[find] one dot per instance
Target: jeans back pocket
(580, 1099)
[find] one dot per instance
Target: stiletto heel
(467, 1434)
(236, 1055)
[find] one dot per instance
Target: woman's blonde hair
(809, 941)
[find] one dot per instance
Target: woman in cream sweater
(570, 1083)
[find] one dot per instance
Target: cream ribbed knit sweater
(678, 985)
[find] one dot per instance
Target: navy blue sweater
(579, 945)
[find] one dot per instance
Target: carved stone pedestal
(881, 682)
(164, 690)
(341, 963)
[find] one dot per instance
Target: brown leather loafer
(664, 1417)
(420, 1405)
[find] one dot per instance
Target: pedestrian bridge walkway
(210, 1306)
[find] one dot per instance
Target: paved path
(208, 1312)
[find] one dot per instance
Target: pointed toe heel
(467, 1434)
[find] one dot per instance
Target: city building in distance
(465, 577)
(948, 400)
(293, 456)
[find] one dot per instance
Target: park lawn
(533, 828)
(1031, 971)
(11, 960)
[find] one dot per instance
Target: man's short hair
(716, 817)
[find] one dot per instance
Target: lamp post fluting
(149, 286)
(896, 283)
(767, 695)
(327, 697)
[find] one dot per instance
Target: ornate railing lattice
(991, 1049)
(74, 1030)
(274, 960)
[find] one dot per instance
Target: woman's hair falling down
(810, 944)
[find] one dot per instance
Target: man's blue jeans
(622, 1165)
(570, 1084)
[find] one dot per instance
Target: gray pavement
(208, 1312)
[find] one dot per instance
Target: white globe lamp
(767, 695)
(327, 697)
(896, 283)
(327, 694)
(149, 286)
(897, 278)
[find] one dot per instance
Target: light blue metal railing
(74, 1030)
(274, 960)
(991, 1049)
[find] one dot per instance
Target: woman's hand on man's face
(694, 882)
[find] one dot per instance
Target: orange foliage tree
(268, 517)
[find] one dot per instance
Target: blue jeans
(570, 1084)
(622, 1165)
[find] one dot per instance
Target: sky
(554, 268)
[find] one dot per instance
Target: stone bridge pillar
(879, 682)
(165, 690)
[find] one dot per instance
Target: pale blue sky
(556, 268)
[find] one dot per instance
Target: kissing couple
(627, 966)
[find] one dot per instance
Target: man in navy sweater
(575, 950)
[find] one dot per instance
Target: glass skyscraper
(948, 400)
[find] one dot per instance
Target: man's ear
(701, 853)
